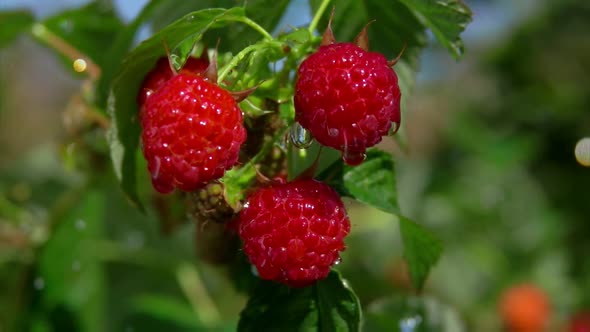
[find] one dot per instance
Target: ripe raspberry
(162, 73)
(192, 133)
(293, 232)
(525, 308)
(347, 98)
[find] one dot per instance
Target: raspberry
(293, 232)
(525, 308)
(192, 133)
(162, 73)
(347, 98)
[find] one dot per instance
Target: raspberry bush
(262, 134)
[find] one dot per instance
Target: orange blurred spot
(525, 308)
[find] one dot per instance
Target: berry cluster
(192, 132)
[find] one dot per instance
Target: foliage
(70, 262)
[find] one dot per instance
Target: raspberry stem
(318, 15)
(256, 27)
(239, 57)
(42, 33)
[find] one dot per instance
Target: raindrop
(80, 224)
(300, 137)
(39, 283)
(353, 158)
(338, 261)
(394, 128)
(410, 324)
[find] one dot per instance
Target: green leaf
(446, 18)
(395, 26)
(401, 22)
(421, 250)
(13, 23)
(267, 13)
(119, 48)
(89, 29)
(123, 135)
(328, 305)
(373, 182)
(166, 308)
(72, 278)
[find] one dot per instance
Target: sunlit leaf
(373, 182)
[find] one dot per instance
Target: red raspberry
(162, 73)
(293, 232)
(347, 98)
(524, 308)
(192, 133)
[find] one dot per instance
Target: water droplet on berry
(353, 158)
(394, 128)
(300, 137)
(333, 132)
(338, 261)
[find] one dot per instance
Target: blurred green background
(489, 167)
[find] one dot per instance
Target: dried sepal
(362, 39)
(392, 62)
(328, 36)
